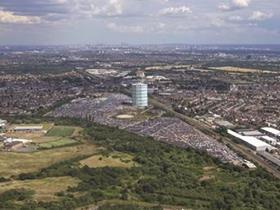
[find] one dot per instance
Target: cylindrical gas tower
(140, 95)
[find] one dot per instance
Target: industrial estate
(146, 127)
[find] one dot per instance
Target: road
(202, 127)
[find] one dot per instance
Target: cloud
(101, 8)
(64, 9)
(260, 16)
(175, 11)
(125, 28)
(217, 22)
(10, 17)
(241, 3)
(55, 10)
(107, 20)
(140, 28)
(236, 18)
(235, 5)
(39, 8)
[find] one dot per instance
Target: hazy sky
(139, 21)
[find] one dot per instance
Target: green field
(61, 131)
(59, 143)
(17, 163)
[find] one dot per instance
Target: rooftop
(249, 139)
(28, 127)
(271, 130)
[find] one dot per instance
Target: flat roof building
(10, 140)
(251, 141)
(251, 133)
(272, 131)
(3, 123)
(27, 128)
(269, 140)
(140, 74)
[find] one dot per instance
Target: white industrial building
(27, 128)
(249, 164)
(140, 95)
(251, 141)
(269, 140)
(3, 123)
(11, 140)
(272, 131)
(140, 74)
(251, 133)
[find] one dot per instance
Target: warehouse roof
(272, 131)
(249, 139)
(268, 138)
(28, 127)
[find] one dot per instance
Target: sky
(33, 22)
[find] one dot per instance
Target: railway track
(236, 147)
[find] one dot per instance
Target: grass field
(58, 143)
(16, 163)
(45, 139)
(114, 160)
(45, 189)
(61, 131)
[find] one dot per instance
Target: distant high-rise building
(140, 74)
(140, 95)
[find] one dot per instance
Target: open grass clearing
(17, 163)
(45, 189)
(115, 159)
(61, 131)
(58, 143)
(208, 173)
(45, 139)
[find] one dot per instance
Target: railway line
(248, 154)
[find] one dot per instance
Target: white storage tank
(140, 95)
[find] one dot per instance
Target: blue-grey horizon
(53, 22)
